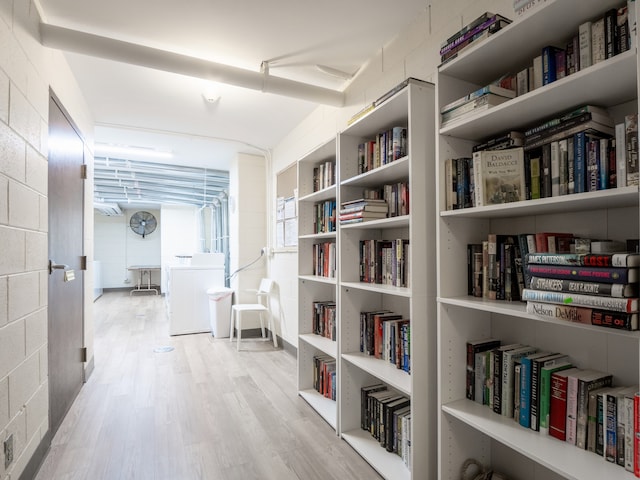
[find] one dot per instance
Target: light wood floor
(202, 411)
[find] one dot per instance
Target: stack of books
(591, 288)
(474, 102)
(363, 209)
(482, 27)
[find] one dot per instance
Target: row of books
(324, 375)
(324, 175)
(562, 282)
(324, 320)
(386, 147)
(386, 415)
(387, 336)
(595, 289)
(556, 164)
(385, 262)
(395, 194)
(324, 217)
(471, 34)
(544, 391)
(324, 259)
(595, 41)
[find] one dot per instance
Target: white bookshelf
(466, 429)
(312, 287)
(413, 108)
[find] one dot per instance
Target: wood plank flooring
(201, 411)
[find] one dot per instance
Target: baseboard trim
(34, 464)
(89, 368)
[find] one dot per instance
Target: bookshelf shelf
(519, 309)
(541, 449)
(389, 466)
(325, 407)
(320, 195)
(613, 198)
(378, 288)
(384, 371)
(396, 170)
(467, 429)
(323, 344)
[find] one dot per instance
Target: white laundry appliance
(186, 299)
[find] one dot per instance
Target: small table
(142, 271)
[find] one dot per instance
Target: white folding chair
(263, 308)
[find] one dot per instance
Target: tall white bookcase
(465, 428)
(411, 107)
(314, 288)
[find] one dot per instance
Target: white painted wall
(247, 227)
(118, 248)
(414, 53)
(27, 71)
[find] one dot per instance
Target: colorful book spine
(616, 304)
(586, 259)
(593, 274)
(584, 315)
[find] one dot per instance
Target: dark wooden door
(66, 278)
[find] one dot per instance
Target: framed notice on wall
(286, 208)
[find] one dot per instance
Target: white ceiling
(134, 105)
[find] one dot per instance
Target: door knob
(56, 266)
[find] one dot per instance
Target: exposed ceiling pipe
(103, 47)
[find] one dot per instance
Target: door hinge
(83, 354)
(83, 262)
(83, 171)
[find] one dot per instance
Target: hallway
(200, 411)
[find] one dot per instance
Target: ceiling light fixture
(109, 150)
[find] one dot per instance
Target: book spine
(636, 434)
(524, 414)
(586, 259)
(631, 136)
(584, 35)
(572, 409)
(593, 160)
(610, 33)
(588, 288)
(585, 387)
(584, 315)
(585, 273)
(558, 407)
(497, 383)
(610, 420)
(579, 162)
(624, 305)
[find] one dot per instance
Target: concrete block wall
(27, 71)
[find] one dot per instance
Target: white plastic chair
(263, 308)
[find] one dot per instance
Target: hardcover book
(499, 176)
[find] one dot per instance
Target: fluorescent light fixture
(110, 150)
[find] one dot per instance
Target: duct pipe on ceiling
(103, 47)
